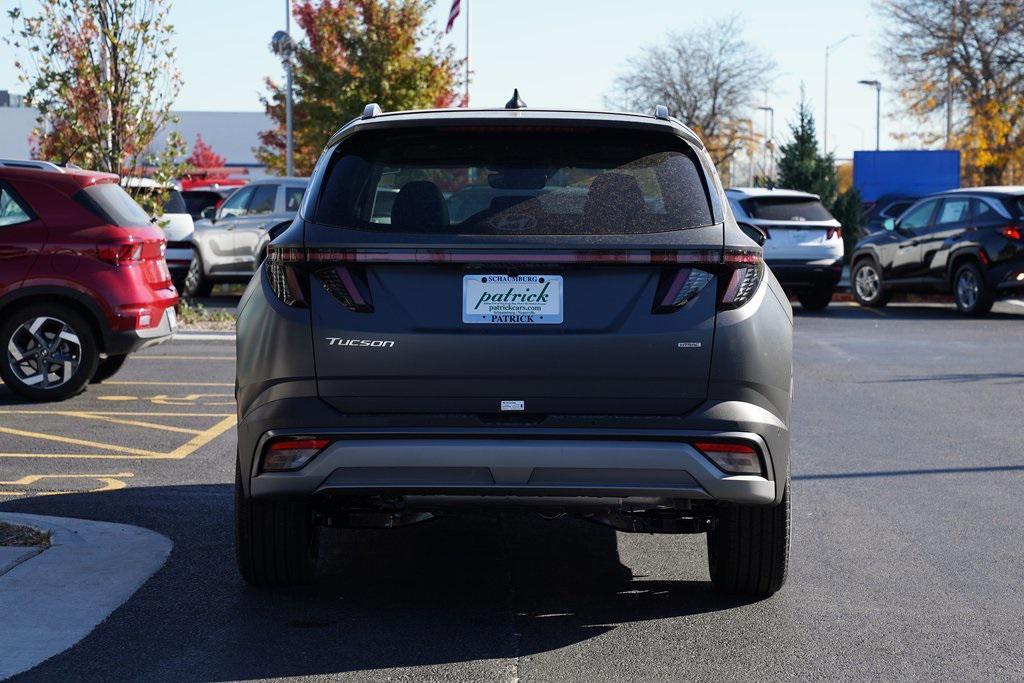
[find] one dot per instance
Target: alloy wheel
(44, 352)
(867, 283)
(967, 289)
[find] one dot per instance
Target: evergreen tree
(801, 166)
(848, 209)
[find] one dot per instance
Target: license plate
(172, 319)
(507, 300)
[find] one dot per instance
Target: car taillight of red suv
(83, 280)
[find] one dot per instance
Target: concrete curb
(54, 599)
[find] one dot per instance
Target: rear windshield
(521, 181)
(197, 200)
(173, 201)
(115, 205)
(786, 209)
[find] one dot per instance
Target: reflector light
(731, 457)
(683, 288)
(117, 253)
(291, 453)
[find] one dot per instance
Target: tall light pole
(283, 46)
(878, 111)
(824, 119)
(769, 144)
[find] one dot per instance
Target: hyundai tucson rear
(489, 310)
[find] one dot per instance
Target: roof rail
(31, 163)
(371, 110)
(661, 112)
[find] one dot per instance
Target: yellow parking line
(85, 456)
(136, 423)
(200, 440)
(79, 442)
(130, 413)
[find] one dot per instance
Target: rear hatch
(517, 271)
(798, 228)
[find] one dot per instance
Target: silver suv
(231, 241)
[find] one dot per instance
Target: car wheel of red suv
(50, 352)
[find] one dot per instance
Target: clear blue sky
(559, 53)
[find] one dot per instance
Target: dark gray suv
(515, 309)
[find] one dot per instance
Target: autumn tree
(356, 52)
(967, 52)
(708, 77)
(203, 156)
(101, 75)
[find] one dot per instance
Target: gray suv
(515, 309)
(230, 242)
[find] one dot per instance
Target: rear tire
(52, 362)
(815, 299)
(108, 367)
(275, 540)
(196, 283)
(748, 551)
(971, 292)
(867, 285)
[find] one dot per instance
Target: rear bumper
(497, 465)
(128, 341)
(1004, 275)
(520, 467)
(807, 274)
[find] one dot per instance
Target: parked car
(969, 242)
(83, 281)
(200, 198)
(605, 343)
(886, 206)
(176, 222)
(232, 240)
(803, 242)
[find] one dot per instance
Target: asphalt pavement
(908, 466)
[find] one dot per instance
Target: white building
(232, 134)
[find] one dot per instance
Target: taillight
(681, 287)
(291, 453)
(117, 253)
(743, 272)
(833, 232)
(1013, 232)
(283, 276)
(731, 457)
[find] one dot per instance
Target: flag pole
(467, 53)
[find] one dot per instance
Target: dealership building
(232, 134)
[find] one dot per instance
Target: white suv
(804, 243)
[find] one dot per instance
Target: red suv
(83, 281)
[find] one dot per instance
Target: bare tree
(708, 77)
(968, 53)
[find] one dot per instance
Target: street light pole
(290, 144)
(824, 119)
(283, 46)
(877, 85)
(769, 144)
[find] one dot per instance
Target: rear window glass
(786, 209)
(197, 200)
(175, 203)
(115, 205)
(522, 181)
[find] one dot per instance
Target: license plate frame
(513, 299)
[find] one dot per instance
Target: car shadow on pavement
(903, 312)
(457, 590)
